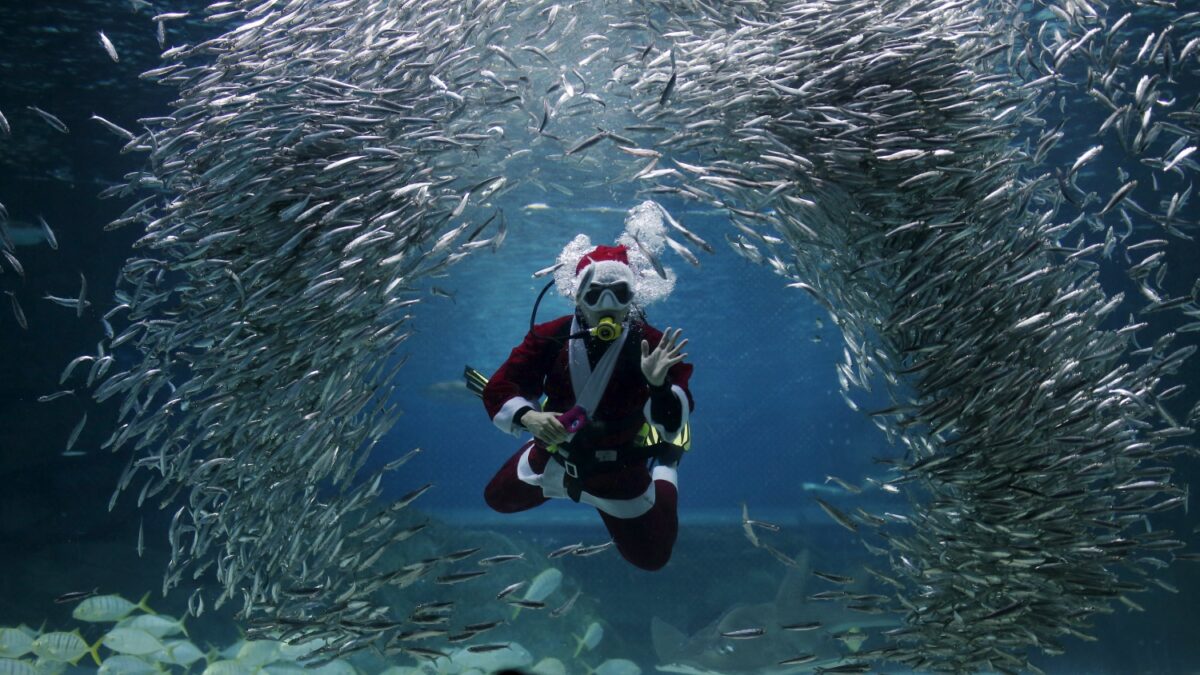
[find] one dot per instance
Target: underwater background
(769, 427)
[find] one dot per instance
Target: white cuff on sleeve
(667, 473)
(504, 418)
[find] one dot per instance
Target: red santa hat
(604, 265)
(614, 253)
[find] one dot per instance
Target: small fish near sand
(108, 608)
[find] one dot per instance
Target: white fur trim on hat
(644, 235)
(605, 272)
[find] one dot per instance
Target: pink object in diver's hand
(574, 419)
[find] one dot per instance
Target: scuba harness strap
(648, 445)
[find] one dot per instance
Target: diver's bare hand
(545, 426)
(655, 364)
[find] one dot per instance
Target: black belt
(581, 463)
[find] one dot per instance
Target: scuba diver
(614, 423)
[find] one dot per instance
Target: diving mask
(604, 305)
(599, 297)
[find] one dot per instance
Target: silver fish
(509, 590)
(53, 121)
(744, 633)
(18, 313)
(109, 48)
(564, 550)
(120, 132)
(76, 431)
(658, 266)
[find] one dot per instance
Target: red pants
(645, 540)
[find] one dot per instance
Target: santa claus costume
(590, 363)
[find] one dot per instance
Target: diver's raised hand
(656, 363)
(545, 426)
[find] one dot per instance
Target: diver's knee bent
(494, 495)
(651, 561)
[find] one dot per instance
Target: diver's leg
(515, 486)
(646, 541)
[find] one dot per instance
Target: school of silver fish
(890, 158)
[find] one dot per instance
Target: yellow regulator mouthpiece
(607, 329)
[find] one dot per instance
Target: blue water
(768, 417)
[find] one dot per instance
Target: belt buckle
(571, 468)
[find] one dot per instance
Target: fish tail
(184, 628)
(578, 646)
(143, 606)
(94, 650)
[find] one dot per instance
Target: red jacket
(540, 365)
